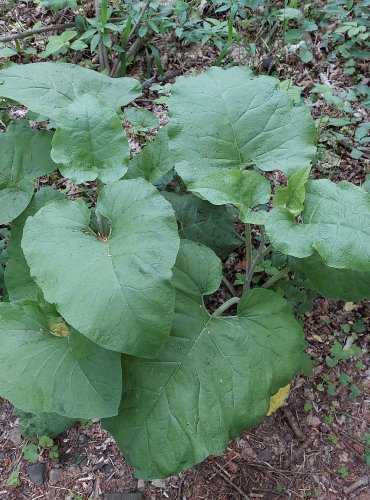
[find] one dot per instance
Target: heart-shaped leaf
(153, 161)
(205, 223)
(212, 379)
(227, 120)
(33, 427)
(141, 119)
(17, 276)
(48, 87)
(89, 142)
(25, 155)
(292, 197)
(335, 224)
(243, 189)
(44, 372)
(122, 279)
(333, 283)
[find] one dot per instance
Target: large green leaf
(333, 283)
(244, 189)
(212, 379)
(153, 161)
(292, 196)
(32, 426)
(48, 87)
(25, 155)
(335, 224)
(89, 142)
(226, 120)
(113, 288)
(141, 119)
(17, 276)
(44, 372)
(200, 221)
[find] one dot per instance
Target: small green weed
(343, 472)
(13, 479)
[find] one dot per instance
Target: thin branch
(236, 487)
(225, 305)
(45, 29)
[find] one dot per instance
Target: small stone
(2, 456)
(37, 473)
(15, 436)
(98, 465)
(55, 476)
(264, 455)
(313, 421)
(107, 468)
(159, 483)
(141, 485)
(246, 449)
(82, 439)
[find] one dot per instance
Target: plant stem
(229, 286)
(225, 305)
(103, 54)
(132, 51)
(267, 250)
(256, 260)
(248, 255)
(138, 20)
(276, 277)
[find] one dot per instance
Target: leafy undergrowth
(315, 447)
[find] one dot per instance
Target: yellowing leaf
(277, 400)
(349, 306)
(60, 329)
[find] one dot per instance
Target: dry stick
(293, 423)
(347, 445)
(225, 478)
(362, 481)
(299, 451)
(25, 34)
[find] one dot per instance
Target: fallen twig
(346, 444)
(299, 451)
(225, 478)
(362, 481)
(44, 29)
(293, 423)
